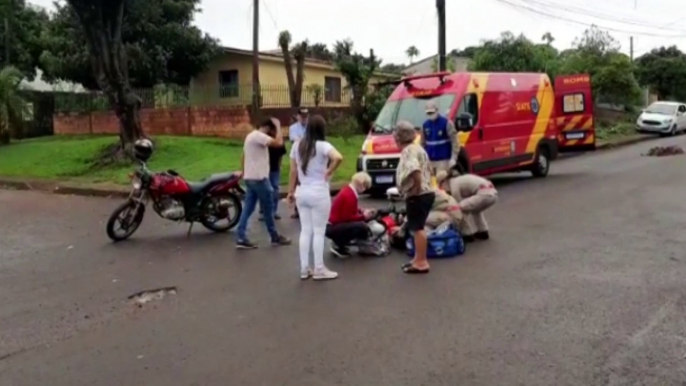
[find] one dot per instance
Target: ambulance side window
(470, 104)
(573, 103)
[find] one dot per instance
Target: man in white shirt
(255, 165)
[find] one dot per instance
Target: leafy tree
(548, 38)
(319, 51)
(468, 52)
(357, 70)
(295, 81)
(393, 68)
(664, 71)
(26, 24)
(612, 77)
(316, 90)
(412, 52)
(512, 53)
(159, 43)
(11, 102)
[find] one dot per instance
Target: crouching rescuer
(474, 194)
(347, 222)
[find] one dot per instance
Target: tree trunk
(288, 63)
(300, 76)
(103, 31)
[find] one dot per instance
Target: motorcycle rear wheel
(132, 221)
(214, 215)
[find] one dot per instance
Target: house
(429, 65)
(228, 81)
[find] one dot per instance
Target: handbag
(443, 242)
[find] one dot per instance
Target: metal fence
(271, 96)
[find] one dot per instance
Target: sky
(391, 26)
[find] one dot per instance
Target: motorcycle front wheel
(222, 212)
(125, 220)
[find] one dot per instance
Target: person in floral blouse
(413, 177)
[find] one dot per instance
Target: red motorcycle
(215, 202)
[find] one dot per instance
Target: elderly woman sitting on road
(413, 177)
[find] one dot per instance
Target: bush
(345, 126)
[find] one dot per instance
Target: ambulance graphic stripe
(477, 85)
(545, 99)
(573, 123)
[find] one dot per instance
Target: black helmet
(142, 149)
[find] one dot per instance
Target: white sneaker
(306, 274)
(324, 274)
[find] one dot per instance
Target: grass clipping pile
(662, 151)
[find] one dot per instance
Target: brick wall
(229, 122)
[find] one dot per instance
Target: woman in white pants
(313, 161)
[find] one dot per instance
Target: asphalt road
(582, 284)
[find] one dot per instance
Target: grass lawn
(71, 158)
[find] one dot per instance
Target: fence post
(90, 113)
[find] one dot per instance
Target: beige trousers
(473, 207)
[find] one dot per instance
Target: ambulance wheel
(541, 165)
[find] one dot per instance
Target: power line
(597, 15)
(568, 20)
(269, 12)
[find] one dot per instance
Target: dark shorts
(418, 208)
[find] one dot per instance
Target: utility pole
(440, 6)
(631, 48)
(256, 59)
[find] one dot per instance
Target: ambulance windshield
(411, 110)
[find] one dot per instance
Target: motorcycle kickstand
(190, 228)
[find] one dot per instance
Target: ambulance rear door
(574, 113)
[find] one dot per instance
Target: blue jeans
(275, 180)
(262, 191)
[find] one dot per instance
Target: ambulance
(506, 121)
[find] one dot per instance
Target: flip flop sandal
(412, 270)
(406, 265)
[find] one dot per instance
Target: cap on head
(303, 111)
(431, 107)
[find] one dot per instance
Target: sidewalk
(115, 190)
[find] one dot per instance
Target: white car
(664, 118)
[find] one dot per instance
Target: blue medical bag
(443, 242)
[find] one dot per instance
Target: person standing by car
(295, 133)
(413, 177)
(255, 166)
(313, 162)
(440, 139)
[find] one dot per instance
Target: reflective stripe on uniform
(434, 143)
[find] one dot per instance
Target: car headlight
(136, 183)
(668, 120)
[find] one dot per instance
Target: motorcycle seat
(206, 183)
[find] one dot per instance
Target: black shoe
(245, 244)
(280, 241)
(468, 238)
(277, 217)
(341, 252)
(481, 235)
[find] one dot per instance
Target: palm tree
(412, 53)
(12, 104)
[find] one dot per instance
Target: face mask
(432, 116)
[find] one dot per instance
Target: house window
(228, 84)
(332, 89)
(573, 103)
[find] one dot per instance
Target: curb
(56, 187)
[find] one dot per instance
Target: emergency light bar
(440, 75)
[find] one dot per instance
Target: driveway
(581, 284)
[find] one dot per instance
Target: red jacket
(344, 207)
